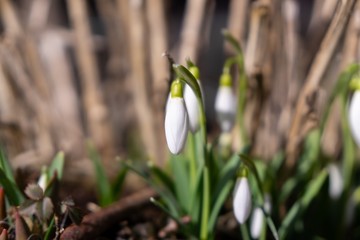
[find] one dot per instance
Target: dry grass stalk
(159, 69)
(192, 29)
(314, 77)
(237, 20)
(141, 84)
(95, 108)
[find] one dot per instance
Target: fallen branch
(96, 223)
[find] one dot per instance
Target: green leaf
(181, 179)
(221, 197)
(165, 194)
(57, 165)
(50, 229)
(227, 174)
(5, 166)
(302, 204)
(104, 192)
(119, 182)
(12, 192)
(163, 177)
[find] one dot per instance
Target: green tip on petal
(355, 84)
(176, 89)
(225, 80)
(195, 71)
(243, 172)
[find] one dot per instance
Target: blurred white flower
(242, 200)
(354, 116)
(176, 120)
(258, 218)
(336, 183)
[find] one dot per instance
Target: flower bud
(225, 103)
(258, 218)
(176, 119)
(336, 183)
(242, 200)
(191, 102)
(43, 179)
(354, 116)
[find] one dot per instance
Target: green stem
(242, 88)
(205, 205)
(192, 159)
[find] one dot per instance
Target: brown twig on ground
(94, 224)
(317, 70)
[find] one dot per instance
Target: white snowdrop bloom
(225, 104)
(242, 200)
(354, 116)
(257, 222)
(336, 182)
(176, 120)
(258, 218)
(192, 105)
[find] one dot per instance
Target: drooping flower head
(242, 197)
(176, 119)
(257, 220)
(191, 102)
(336, 182)
(225, 103)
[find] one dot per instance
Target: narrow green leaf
(165, 194)
(57, 165)
(271, 224)
(227, 174)
(105, 195)
(119, 182)
(50, 229)
(302, 204)
(163, 177)
(181, 180)
(5, 166)
(216, 207)
(12, 192)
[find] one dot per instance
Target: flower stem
(205, 205)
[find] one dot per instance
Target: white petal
(354, 117)
(225, 107)
(257, 222)
(336, 183)
(242, 200)
(192, 108)
(176, 125)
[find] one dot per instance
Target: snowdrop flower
(354, 116)
(191, 102)
(242, 198)
(176, 119)
(336, 183)
(258, 218)
(225, 103)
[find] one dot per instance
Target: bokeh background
(79, 70)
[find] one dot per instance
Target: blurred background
(76, 70)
